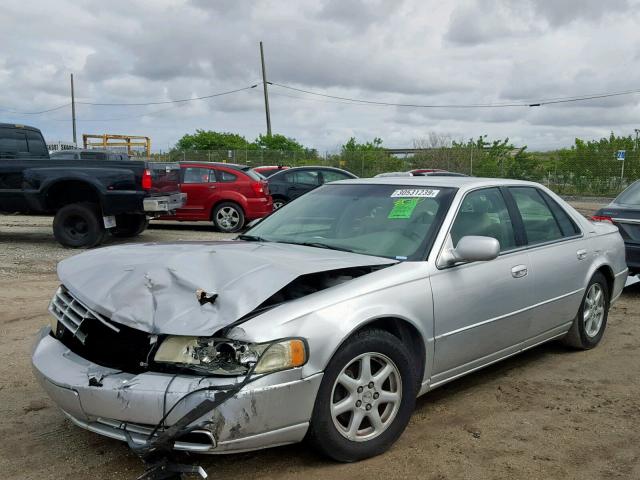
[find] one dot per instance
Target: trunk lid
(626, 218)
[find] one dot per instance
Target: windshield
(398, 222)
(631, 196)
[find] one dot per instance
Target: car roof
(308, 167)
(18, 125)
(233, 166)
(466, 183)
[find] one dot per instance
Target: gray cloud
(411, 51)
(559, 13)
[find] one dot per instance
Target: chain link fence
(564, 171)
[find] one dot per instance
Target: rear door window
(540, 224)
(332, 176)
(196, 175)
(305, 177)
(567, 225)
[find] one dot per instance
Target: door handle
(519, 271)
(212, 187)
(581, 254)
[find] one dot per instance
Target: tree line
(586, 167)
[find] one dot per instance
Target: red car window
(196, 175)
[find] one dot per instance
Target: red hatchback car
(226, 194)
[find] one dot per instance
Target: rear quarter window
(224, 176)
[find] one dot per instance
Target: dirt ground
(548, 413)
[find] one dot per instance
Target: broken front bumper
(270, 411)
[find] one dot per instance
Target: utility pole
(73, 112)
(266, 93)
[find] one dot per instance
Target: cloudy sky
(413, 51)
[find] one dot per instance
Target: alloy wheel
(228, 218)
(593, 311)
(366, 397)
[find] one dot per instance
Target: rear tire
(279, 203)
(358, 415)
(79, 225)
(228, 217)
(590, 322)
(129, 225)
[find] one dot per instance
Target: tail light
(147, 182)
(258, 188)
(601, 218)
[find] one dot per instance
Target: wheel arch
(231, 199)
(608, 274)
(404, 330)
(64, 192)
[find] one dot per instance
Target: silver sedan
(326, 319)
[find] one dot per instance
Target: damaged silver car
(326, 319)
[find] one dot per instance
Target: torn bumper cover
(116, 402)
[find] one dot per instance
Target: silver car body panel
(152, 287)
(468, 316)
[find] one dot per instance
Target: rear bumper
(258, 208)
(273, 410)
(633, 257)
(164, 203)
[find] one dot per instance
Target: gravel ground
(548, 413)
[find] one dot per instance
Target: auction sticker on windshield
(415, 192)
(404, 207)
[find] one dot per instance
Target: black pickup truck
(86, 197)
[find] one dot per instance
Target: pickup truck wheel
(228, 217)
(79, 225)
(129, 225)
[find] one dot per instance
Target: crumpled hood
(152, 287)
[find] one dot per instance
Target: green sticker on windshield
(404, 207)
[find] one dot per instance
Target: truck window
(13, 143)
(36, 144)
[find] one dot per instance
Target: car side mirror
(472, 248)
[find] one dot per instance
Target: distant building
(58, 146)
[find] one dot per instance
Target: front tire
(366, 397)
(129, 225)
(79, 225)
(589, 325)
(228, 217)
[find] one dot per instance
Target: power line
(183, 100)
(533, 103)
(35, 113)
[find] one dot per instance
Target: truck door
(13, 146)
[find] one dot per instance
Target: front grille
(97, 339)
(72, 314)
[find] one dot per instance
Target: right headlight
(229, 357)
